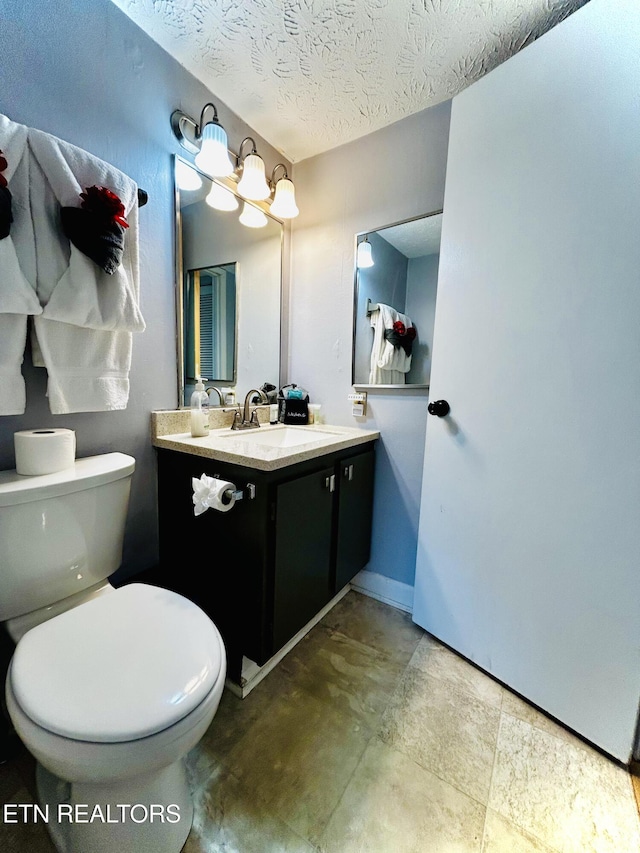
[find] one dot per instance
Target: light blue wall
(422, 287)
(85, 72)
(355, 188)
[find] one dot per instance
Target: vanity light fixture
(207, 140)
(284, 201)
(252, 217)
(253, 183)
(364, 258)
(220, 198)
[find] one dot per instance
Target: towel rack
(371, 306)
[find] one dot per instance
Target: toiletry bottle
(230, 398)
(200, 410)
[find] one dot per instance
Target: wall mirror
(228, 287)
(396, 280)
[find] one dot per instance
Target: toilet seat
(118, 668)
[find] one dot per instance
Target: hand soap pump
(200, 410)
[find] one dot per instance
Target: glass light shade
(186, 177)
(284, 202)
(252, 217)
(221, 199)
(253, 184)
(364, 256)
(213, 157)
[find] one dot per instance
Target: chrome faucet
(248, 419)
(218, 392)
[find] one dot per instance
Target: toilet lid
(118, 668)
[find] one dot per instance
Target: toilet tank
(61, 533)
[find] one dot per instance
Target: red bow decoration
(400, 336)
(97, 227)
(104, 203)
(3, 166)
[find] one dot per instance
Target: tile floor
(370, 737)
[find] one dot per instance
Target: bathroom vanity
(294, 539)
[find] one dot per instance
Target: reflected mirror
(229, 278)
(210, 323)
(396, 280)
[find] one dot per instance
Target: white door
(529, 540)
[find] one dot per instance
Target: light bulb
(186, 177)
(284, 202)
(252, 217)
(213, 157)
(221, 198)
(364, 256)
(253, 184)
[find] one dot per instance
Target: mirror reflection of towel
(389, 365)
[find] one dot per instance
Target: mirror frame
(230, 185)
(356, 283)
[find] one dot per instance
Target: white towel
(13, 335)
(88, 370)
(389, 365)
(73, 289)
(17, 276)
(83, 336)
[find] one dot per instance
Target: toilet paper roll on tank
(44, 451)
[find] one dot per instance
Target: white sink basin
(280, 436)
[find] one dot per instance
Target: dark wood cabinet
(264, 569)
(353, 524)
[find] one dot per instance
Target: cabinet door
(302, 552)
(354, 516)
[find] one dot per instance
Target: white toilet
(108, 688)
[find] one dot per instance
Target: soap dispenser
(200, 410)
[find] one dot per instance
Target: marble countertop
(247, 448)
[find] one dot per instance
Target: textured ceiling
(416, 238)
(309, 75)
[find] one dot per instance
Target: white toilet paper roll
(211, 493)
(221, 496)
(44, 451)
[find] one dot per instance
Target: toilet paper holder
(238, 494)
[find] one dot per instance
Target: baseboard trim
(252, 674)
(387, 590)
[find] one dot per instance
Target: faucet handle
(254, 417)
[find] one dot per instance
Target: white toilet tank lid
(118, 668)
(85, 474)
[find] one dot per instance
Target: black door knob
(439, 408)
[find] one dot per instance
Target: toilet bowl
(111, 692)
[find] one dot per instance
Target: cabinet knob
(439, 408)
(348, 472)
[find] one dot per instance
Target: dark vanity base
(264, 569)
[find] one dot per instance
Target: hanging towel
(88, 370)
(83, 336)
(17, 277)
(72, 287)
(18, 296)
(389, 365)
